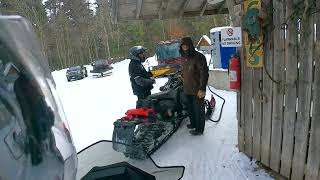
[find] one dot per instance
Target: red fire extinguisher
(234, 72)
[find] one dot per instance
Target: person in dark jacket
(195, 77)
(141, 80)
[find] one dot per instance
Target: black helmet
(135, 50)
(34, 141)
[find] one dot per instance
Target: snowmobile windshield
(99, 160)
(168, 51)
(20, 51)
(26, 77)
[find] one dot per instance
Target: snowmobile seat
(166, 99)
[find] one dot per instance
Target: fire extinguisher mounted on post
(234, 72)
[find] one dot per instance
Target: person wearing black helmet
(141, 80)
(195, 75)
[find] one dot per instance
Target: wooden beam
(171, 15)
(163, 7)
(230, 5)
(206, 12)
(139, 7)
(133, 19)
(203, 7)
(221, 7)
(183, 7)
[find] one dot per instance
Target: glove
(153, 79)
(144, 81)
(201, 94)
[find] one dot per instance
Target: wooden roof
(122, 10)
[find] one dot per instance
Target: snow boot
(189, 126)
(195, 133)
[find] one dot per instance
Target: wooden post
(248, 116)
(267, 97)
(253, 53)
(241, 94)
(278, 75)
(241, 122)
(304, 97)
(257, 113)
(313, 163)
(290, 91)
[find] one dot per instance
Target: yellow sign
(254, 51)
(254, 55)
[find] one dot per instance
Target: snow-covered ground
(93, 104)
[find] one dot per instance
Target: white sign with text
(231, 37)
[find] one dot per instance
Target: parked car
(76, 73)
(101, 68)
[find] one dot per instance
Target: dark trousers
(196, 112)
(142, 97)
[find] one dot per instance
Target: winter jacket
(140, 78)
(195, 72)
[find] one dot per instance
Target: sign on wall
(231, 37)
(253, 50)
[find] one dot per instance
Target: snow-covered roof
(205, 37)
(216, 29)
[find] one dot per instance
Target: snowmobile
(100, 161)
(147, 128)
(35, 142)
(101, 68)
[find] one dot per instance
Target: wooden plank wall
(279, 118)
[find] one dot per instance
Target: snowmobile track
(151, 137)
